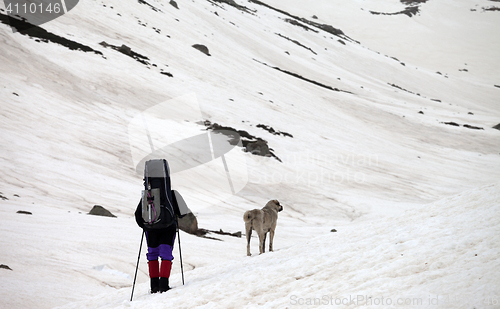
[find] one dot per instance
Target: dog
(262, 221)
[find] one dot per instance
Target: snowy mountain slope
(360, 148)
(437, 29)
(440, 255)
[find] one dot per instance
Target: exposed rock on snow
(24, 212)
(272, 131)
(234, 4)
(295, 21)
(154, 8)
(42, 35)
(297, 42)
(304, 78)
(174, 4)
(411, 10)
(2, 266)
(468, 126)
(259, 148)
(98, 210)
(252, 144)
(126, 50)
(202, 48)
(189, 223)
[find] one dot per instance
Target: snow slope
(443, 254)
(361, 150)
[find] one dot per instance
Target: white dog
(262, 221)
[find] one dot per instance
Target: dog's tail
(248, 216)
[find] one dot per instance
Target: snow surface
(414, 201)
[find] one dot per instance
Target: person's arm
(138, 215)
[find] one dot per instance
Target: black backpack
(158, 209)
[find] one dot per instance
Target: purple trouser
(160, 244)
(164, 251)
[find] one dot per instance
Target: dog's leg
(249, 235)
(261, 242)
(271, 237)
(264, 242)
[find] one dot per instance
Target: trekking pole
(180, 252)
(137, 267)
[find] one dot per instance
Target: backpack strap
(166, 173)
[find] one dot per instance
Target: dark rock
(472, 127)
(497, 127)
(202, 48)
(24, 212)
(327, 28)
(451, 123)
(296, 23)
(409, 11)
(3, 197)
(150, 6)
(259, 147)
(236, 5)
(98, 210)
(272, 131)
(254, 145)
(330, 29)
(124, 49)
(189, 223)
(2, 266)
(304, 78)
(36, 32)
(297, 42)
(413, 2)
(174, 4)
(333, 230)
(204, 232)
(421, 112)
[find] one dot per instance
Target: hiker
(157, 215)
(160, 243)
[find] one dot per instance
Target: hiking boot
(155, 285)
(164, 284)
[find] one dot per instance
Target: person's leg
(165, 252)
(153, 264)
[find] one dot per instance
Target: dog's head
(277, 204)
